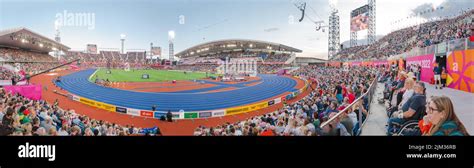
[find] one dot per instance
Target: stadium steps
(377, 119)
(291, 59)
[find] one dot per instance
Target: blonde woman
(408, 87)
(444, 121)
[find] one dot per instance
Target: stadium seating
(406, 39)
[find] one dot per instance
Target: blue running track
(271, 86)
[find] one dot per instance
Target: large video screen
(360, 18)
(156, 51)
(92, 48)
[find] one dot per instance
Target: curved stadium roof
(12, 38)
(229, 45)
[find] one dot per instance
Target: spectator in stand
(7, 123)
(350, 95)
(413, 109)
(444, 76)
(338, 92)
(335, 128)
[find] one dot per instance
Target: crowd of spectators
(277, 58)
(113, 59)
(199, 60)
(211, 68)
(6, 74)
(23, 117)
(303, 118)
(9, 54)
(406, 102)
(406, 39)
(270, 68)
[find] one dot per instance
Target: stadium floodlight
(41, 45)
(122, 36)
(171, 35)
(57, 25)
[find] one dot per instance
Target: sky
(198, 21)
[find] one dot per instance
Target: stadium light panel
(171, 34)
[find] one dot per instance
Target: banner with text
(426, 62)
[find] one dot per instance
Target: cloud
(271, 29)
(446, 8)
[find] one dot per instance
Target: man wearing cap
(413, 109)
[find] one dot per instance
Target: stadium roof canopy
(26, 39)
(234, 45)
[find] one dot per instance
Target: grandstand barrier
(205, 114)
(189, 115)
(159, 114)
(97, 104)
(245, 109)
(133, 112)
(148, 114)
(121, 110)
(218, 113)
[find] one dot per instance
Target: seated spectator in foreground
(413, 109)
(444, 121)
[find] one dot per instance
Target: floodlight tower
(333, 40)
(171, 36)
(57, 38)
(371, 33)
(122, 38)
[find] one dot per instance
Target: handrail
(371, 87)
(371, 93)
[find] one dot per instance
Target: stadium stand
(406, 39)
(24, 117)
(304, 117)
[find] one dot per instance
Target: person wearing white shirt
(238, 132)
(353, 116)
(409, 83)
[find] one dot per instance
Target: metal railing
(359, 103)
